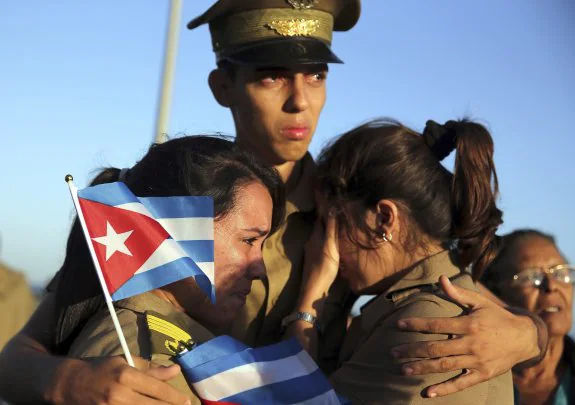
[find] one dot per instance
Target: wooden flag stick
(123, 343)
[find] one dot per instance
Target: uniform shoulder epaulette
(165, 336)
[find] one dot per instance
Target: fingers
(140, 363)
(132, 397)
(459, 383)
(144, 384)
(163, 373)
(462, 296)
(431, 349)
(440, 365)
(331, 237)
(447, 326)
(330, 226)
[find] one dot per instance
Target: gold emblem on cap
(297, 27)
(303, 4)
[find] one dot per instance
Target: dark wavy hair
(384, 159)
(191, 165)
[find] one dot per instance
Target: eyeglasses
(563, 273)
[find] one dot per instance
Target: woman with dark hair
(248, 206)
(530, 272)
(395, 222)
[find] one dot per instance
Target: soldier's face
(238, 240)
(276, 110)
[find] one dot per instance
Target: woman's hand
(321, 262)
(111, 381)
(320, 270)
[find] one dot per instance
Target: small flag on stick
(140, 244)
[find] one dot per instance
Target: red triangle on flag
(206, 402)
(135, 238)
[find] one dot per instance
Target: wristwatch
(301, 316)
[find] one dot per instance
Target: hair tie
(441, 139)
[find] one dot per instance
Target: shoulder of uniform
(165, 336)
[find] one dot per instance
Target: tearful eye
(250, 241)
(271, 80)
(317, 77)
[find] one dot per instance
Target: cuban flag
(226, 372)
(145, 243)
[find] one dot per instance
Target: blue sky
(79, 82)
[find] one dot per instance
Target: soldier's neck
(290, 172)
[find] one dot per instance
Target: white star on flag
(114, 242)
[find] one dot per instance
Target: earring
(386, 238)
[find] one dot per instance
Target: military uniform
(17, 303)
(367, 373)
(278, 33)
(153, 328)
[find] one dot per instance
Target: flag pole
(170, 53)
(74, 192)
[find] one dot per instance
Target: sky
(79, 82)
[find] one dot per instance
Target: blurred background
(79, 84)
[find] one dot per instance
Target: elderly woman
(531, 272)
(393, 214)
(248, 205)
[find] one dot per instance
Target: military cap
(277, 32)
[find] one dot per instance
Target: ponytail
(474, 191)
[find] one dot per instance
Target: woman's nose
(550, 283)
(257, 269)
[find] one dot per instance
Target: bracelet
(301, 316)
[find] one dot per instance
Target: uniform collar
(427, 271)
(301, 198)
(423, 276)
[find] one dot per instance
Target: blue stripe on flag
(263, 354)
(201, 251)
(110, 194)
(296, 390)
(179, 207)
(164, 275)
(118, 193)
(213, 349)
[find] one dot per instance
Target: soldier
(272, 58)
(17, 302)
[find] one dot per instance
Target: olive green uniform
(153, 329)
(17, 303)
(272, 299)
(367, 373)
(279, 33)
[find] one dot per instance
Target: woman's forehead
(537, 252)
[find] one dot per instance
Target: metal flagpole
(74, 193)
(170, 53)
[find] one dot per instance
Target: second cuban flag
(146, 243)
(223, 371)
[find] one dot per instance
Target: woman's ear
(387, 218)
(221, 86)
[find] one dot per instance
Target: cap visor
(282, 52)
